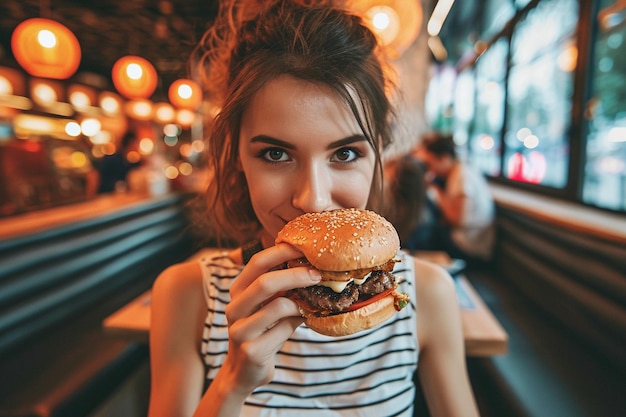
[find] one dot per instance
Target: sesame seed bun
(343, 239)
(355, 251)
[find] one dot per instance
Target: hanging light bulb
(45, 48)
(110, 103)
(134, 77)
(164, 112)
(185, 94)
(140, 109)
(386, 22)
(396, 22)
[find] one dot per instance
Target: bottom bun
(353, 321)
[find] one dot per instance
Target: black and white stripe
(366, 374)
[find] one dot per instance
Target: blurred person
(460, 200)
(114, 169)
(405, 202)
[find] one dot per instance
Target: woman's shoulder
(432, 282)
(178, 308)
(179, 280)
(192, 271)
(436, 301)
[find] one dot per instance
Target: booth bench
(559, 290)
(56, 286)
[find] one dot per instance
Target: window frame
(578, 130)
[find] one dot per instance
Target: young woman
(303, 122)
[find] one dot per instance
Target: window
(540, 88)
(495, 15)
(538, 105)
(604, 182)
(463, 108)
(440, 97)
(485, 141)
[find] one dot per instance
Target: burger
(355, 251)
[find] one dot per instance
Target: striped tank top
(366, 374)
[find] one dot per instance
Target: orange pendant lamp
(134, 77)
(46, 49)
(396, 22)
(185, 94)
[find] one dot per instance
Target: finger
(276, 336)
(263, 349)
(257, 356)
(266, 287)
(262, 262)
(265, 319)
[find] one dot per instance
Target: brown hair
(239, 55)
(439, 144)
(405, 195)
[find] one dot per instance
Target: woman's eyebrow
(346, 141)
(271, 141)
(281, 143)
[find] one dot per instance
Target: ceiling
(162, 31)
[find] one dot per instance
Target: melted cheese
(339, 286)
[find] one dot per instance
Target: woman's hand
(260, 322)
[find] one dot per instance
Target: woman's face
(301, 151)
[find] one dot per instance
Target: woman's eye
(275, 155)
(345, 155)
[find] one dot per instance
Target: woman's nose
(313, 190)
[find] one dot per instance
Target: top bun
(343, 239)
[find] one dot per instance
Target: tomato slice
(375, 298)
(355, 306)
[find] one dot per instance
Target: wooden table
(483, 334)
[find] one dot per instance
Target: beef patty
(326, 301)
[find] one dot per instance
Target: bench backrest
(575, 278)
(48, 277)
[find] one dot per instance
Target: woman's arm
(259, 323)
(178, 310)
(451, 206)
(442, 367)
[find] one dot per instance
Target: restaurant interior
(533, 92)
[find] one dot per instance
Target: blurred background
(532, 90)
(58, 125)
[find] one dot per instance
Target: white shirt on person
(476, 233)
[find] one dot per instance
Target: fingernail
(315, 275)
